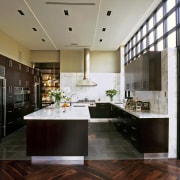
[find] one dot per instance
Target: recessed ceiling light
(70, 29)
(21, 12)
(66, 12)
(103, 29)
(34, 29)
(74, 44)
(100, 40)
(108, 13)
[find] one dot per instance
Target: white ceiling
(86, 18)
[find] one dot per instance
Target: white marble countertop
(142, 114)
(75, 112)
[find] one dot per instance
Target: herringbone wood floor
(164, 169)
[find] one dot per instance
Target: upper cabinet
(144, 73)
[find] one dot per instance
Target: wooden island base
(61, 140)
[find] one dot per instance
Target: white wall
(39, 56)
(100, 61)
(12, 49)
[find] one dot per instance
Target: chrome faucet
(71, 98)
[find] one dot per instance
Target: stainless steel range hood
(86, 81)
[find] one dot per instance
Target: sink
(86, 101)
(79, 105)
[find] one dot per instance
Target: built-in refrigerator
(37, 97)
(2, 107)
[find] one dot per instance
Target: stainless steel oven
(21, 96)
(18, 97)
(26, 95)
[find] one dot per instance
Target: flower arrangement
(58, 95)
(111, 93)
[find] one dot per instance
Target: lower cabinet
(148, 135)
(101, 110)
(57, 137)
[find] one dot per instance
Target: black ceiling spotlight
(34, 29)
(21, 12)
(66, 12)
(103, 29)
(100, 40)
(70, 29)
(108, 13)
(43, 40)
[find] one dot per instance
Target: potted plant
(111, 93)
(58, 95)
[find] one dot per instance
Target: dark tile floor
(105, 143)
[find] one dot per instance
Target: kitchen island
(58, 134)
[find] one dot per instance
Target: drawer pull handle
(134, 139)
(133, 128)
(125, 130)
(133, 117)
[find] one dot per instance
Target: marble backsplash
(104, 81)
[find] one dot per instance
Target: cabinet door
(9, 78)
(102, 110)
(134, 130)
(155, 72)
(2, 60)
(122, 124)
(127, 77)
(92, 111)
(114, 110)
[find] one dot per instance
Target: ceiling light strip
(97, 23)
(66, 3)
(40, 25)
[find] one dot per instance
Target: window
(138, 48)
(151, 23)
(151, 48)
(160, 31)
(138, 36)
(144, 30)
(170, 4)
(144, 43)
(171, 21)
(171, 39)
(159, 14)
(160, 45)
(151, 37)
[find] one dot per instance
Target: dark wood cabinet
(148, 135)
(101, 110)
(144, 73)
(114, 110)
(57, 137)
(17, 75)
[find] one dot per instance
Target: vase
(111, 98)
(57, 103)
